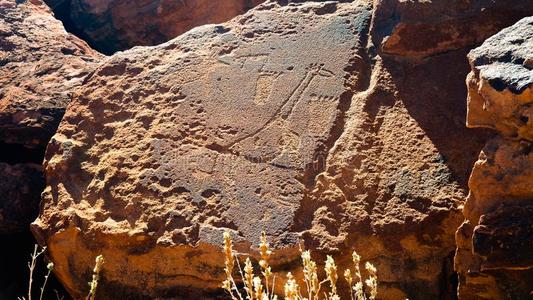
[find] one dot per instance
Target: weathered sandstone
(216, 130)
(112, 25)
(495, 248)
(279, 120)
(494, 256)
(424, 28)
(40, 65)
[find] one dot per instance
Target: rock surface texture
(112, 25)
(291, 119)
(424, 28)
(495, 245)
(40, 64)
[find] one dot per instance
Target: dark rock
(504, 238)
(424, 28)
(113, 25)
(20, 189)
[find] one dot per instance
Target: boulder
(217, 130)
(501, 82)
(112, 25)
(494, 243)
(424, 28)
(40, 66)
(280, 120)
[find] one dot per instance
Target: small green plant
(262, 287)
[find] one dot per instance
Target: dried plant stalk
(257, 288)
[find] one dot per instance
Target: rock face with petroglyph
(286, 120)
(220, 129)
(495, 250)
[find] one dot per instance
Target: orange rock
(284, 120)
(41, 64)
(249, 126)
(507, 165)
(501, 190)
(494, 257)
(424, 28)
(167, 147)
(112, 25)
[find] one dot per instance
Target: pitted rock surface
(215, 130)
(279, 120)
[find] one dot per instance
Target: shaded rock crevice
(116, 25)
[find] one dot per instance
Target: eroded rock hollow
(113, 25)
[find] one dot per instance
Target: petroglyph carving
(263, 87)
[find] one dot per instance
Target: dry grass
(93, 284)
(262, 287)
(99, 261)
(31, 265)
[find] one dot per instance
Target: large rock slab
(216, 130)
(40, 66)
(112, 25)
(424, 28)
(494, 243)
(279, 120)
